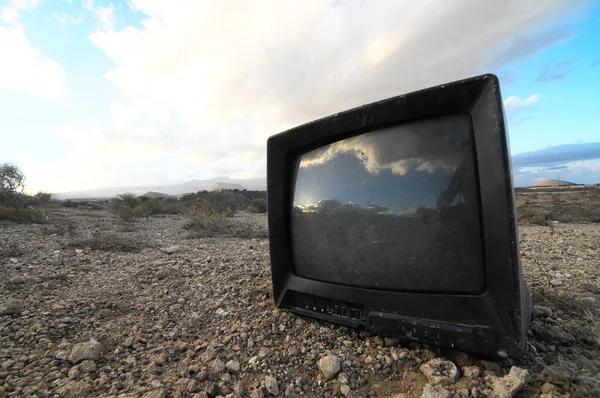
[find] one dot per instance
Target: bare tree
(12, 183)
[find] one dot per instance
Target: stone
(160, 393)
(14, 307)
(89, 350)
(257, 393)
(233, 367)
(542, 311)
(329, 366)
(88, 366)
(489, 365)
(218, 367)
(193, 386)
(390, 342)
(74, 373)
(471, 372)
(74, 389)
(347, 391)
(272, 385)
(439, 371)
(170, 249)
(17, 280)
(431, 391)
(509, 385)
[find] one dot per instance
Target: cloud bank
(234, 73)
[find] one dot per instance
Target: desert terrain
(93, 306)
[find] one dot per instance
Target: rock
(217, 367)
(89, 350)
(509, 385)
(347, 391)
(272, 385)
(74, 373)
(14, 307)
(257, 393)
(389, 342)
(233, 367)
(17, 280)
(541, 311)
(62, 355)
(556, 282)
(329, 366)
(439, 371)
(430, 391)
(87, 366)
(170, 249)
(74, 389)
(471, 372)
(193, 386)
(489, 365)
(160, 393)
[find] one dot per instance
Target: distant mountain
(220, 186)
(254, 184)
(552, 183)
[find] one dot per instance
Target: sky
(146, 92)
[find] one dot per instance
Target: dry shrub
(207, 220)
(103, 241)
(23, 215)
(129, 207)
(258, 206)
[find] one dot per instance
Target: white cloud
(516, 102)
(22, 66)
(64, 18)
(237, 72)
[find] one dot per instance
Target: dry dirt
(92, 307)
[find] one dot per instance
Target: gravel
(194, 317)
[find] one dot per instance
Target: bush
(107, 242)
(129, 208)
(22, 215)
(258, 206)
(12, 184)
(70, 203)
(208, 220)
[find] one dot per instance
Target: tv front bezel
(503, 309)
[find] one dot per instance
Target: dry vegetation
(171, 298)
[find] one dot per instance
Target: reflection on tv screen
(393, 209)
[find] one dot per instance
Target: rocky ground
(93, 307)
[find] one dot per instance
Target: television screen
(396, 208)
(399, 217)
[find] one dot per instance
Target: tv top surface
(401, 213)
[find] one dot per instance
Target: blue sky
(106, 93)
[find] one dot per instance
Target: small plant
(206, 220)
(258, 206)
(595, 324)
(22, 215)
(107, 242)
(70, 204)
(539, 219)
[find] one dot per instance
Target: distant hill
(155, 195)
(552, 183)
(254, 184)
(221, 186)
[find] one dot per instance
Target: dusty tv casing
(493, 323)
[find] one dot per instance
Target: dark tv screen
(395, 209)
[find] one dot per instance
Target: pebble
(272, 385)
(329, 366)
(89, 350)
(439, 371)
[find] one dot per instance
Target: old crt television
(399, 217)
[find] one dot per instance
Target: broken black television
(399, 217)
